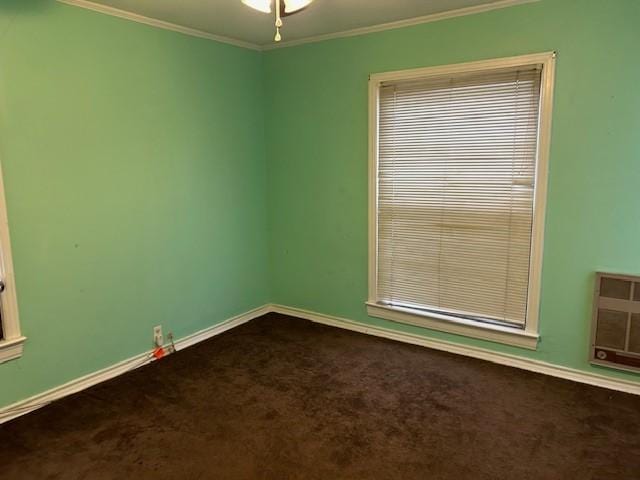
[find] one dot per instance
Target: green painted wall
(137, 179)
(134, 167)
(317, 153)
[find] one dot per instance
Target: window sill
(11, 349)
(457, 326)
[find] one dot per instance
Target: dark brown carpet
(282, 398)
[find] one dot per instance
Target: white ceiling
(232, 19)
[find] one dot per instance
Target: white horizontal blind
(456, 173)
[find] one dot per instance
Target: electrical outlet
(157, 336)
(172, 347)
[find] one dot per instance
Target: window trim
(11, 345)
(529, 336)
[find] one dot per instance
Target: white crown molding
(523, 363)
(434, 17)
(74, 386)
(153, 22)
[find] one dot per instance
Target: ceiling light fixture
(284, 8)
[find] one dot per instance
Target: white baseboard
(40, 400)
(537, 366)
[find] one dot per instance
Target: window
(458, 181)
(11, 341)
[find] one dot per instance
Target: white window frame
(12, 342)
(528, 336)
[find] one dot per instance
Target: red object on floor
(158, 353)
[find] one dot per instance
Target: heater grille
(615, 337)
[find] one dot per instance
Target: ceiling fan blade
(289, 7)
(260, 5)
